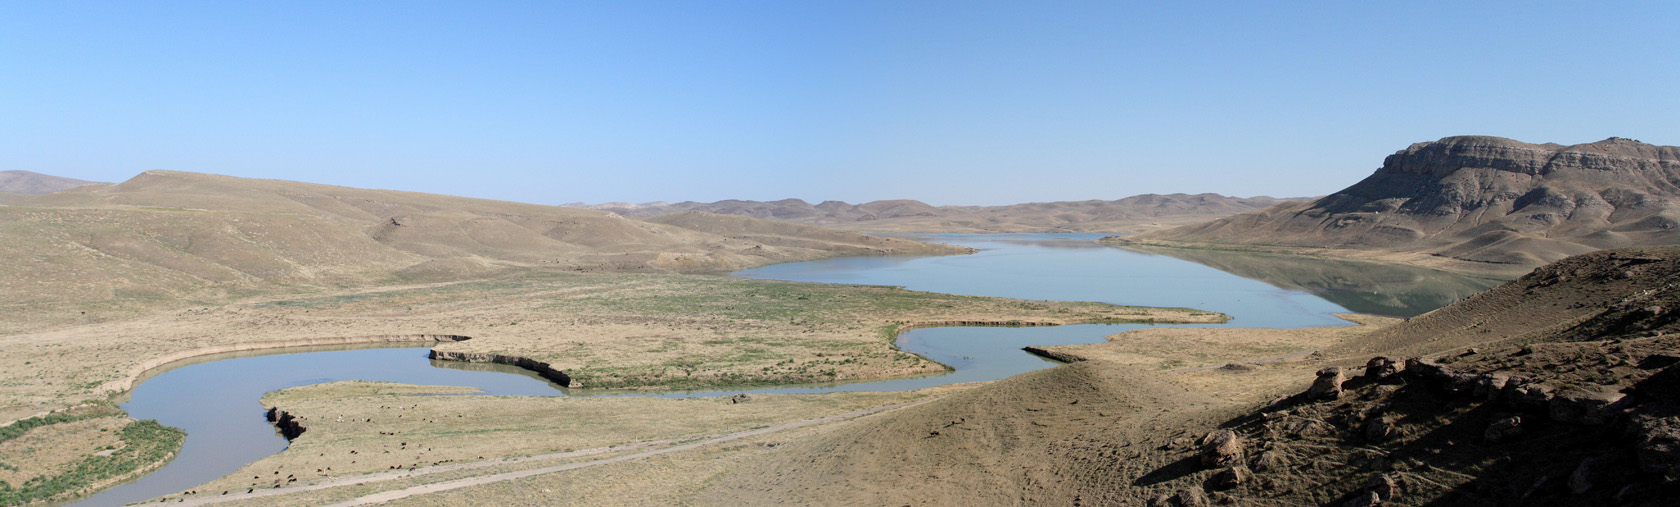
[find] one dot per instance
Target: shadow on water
(1366, 287)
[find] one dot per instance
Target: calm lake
(216, 400)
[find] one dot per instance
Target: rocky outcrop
(542, 369)
(1328, 385)
(1479, 200)
(1222, 448)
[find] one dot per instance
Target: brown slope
(1013, 442)
(33, 183)
(1585, 297)
(1140, 212)
(1477, 203)
(1100, 433)
(167, 236)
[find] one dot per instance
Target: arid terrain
(1132, 214)
(1552, 389)
(1443, 408)
(1472, 203)
(122, 281)
(33, 183)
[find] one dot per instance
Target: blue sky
(947, 102)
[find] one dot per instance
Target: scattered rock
(1231, 477)
(1593, 405)
(1580, 481)
(1190, 498)
(1526, 393)
(1366, 499)
(1379, 429)
(1490, 386)
(1165, 500)
(1658, 445)
(1268, 461)
(1382, 367)
(1222, 448)
(1425, 369)
(1504, 429)
(1328, 386)
(1385, 486)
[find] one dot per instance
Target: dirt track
(508, 476)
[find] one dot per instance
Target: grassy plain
(629, 331)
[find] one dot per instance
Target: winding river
(214, 399)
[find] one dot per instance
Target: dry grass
(55, 449)
(611, 330)
(361, 428)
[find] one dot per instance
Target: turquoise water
(216, 402)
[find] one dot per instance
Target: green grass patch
(146, 442)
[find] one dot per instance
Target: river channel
(215, 399)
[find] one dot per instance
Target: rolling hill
(173, 236)
(33, 183)
(1135, 213)
(1473, 203)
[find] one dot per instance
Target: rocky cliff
(1475, 200)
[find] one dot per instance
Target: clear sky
(949, 102)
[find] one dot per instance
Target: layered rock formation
(1482, 203)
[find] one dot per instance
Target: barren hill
(171, 236)
(1554, 389)
(33, 183)
(1136, 213)
(1475, 203)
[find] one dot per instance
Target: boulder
(1490, 386)
(1382, 367)
(1328, 386)
(1658, 444)
(1526, 394)
(1580, 481)
(1222, 448)
(1593, 405)
(1364, 499)
(1424, 369)
(1231, 477)
(1386, 486)
(1504, 429)
(1270, 460)
(1192, 497)
(1379, 429)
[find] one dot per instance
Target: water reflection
(1364, 287)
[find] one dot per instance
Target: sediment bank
(287, 424)
(153, 367)
(542, 369)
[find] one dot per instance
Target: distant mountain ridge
(1132, 213)
(1478, 202)
(33, 183)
